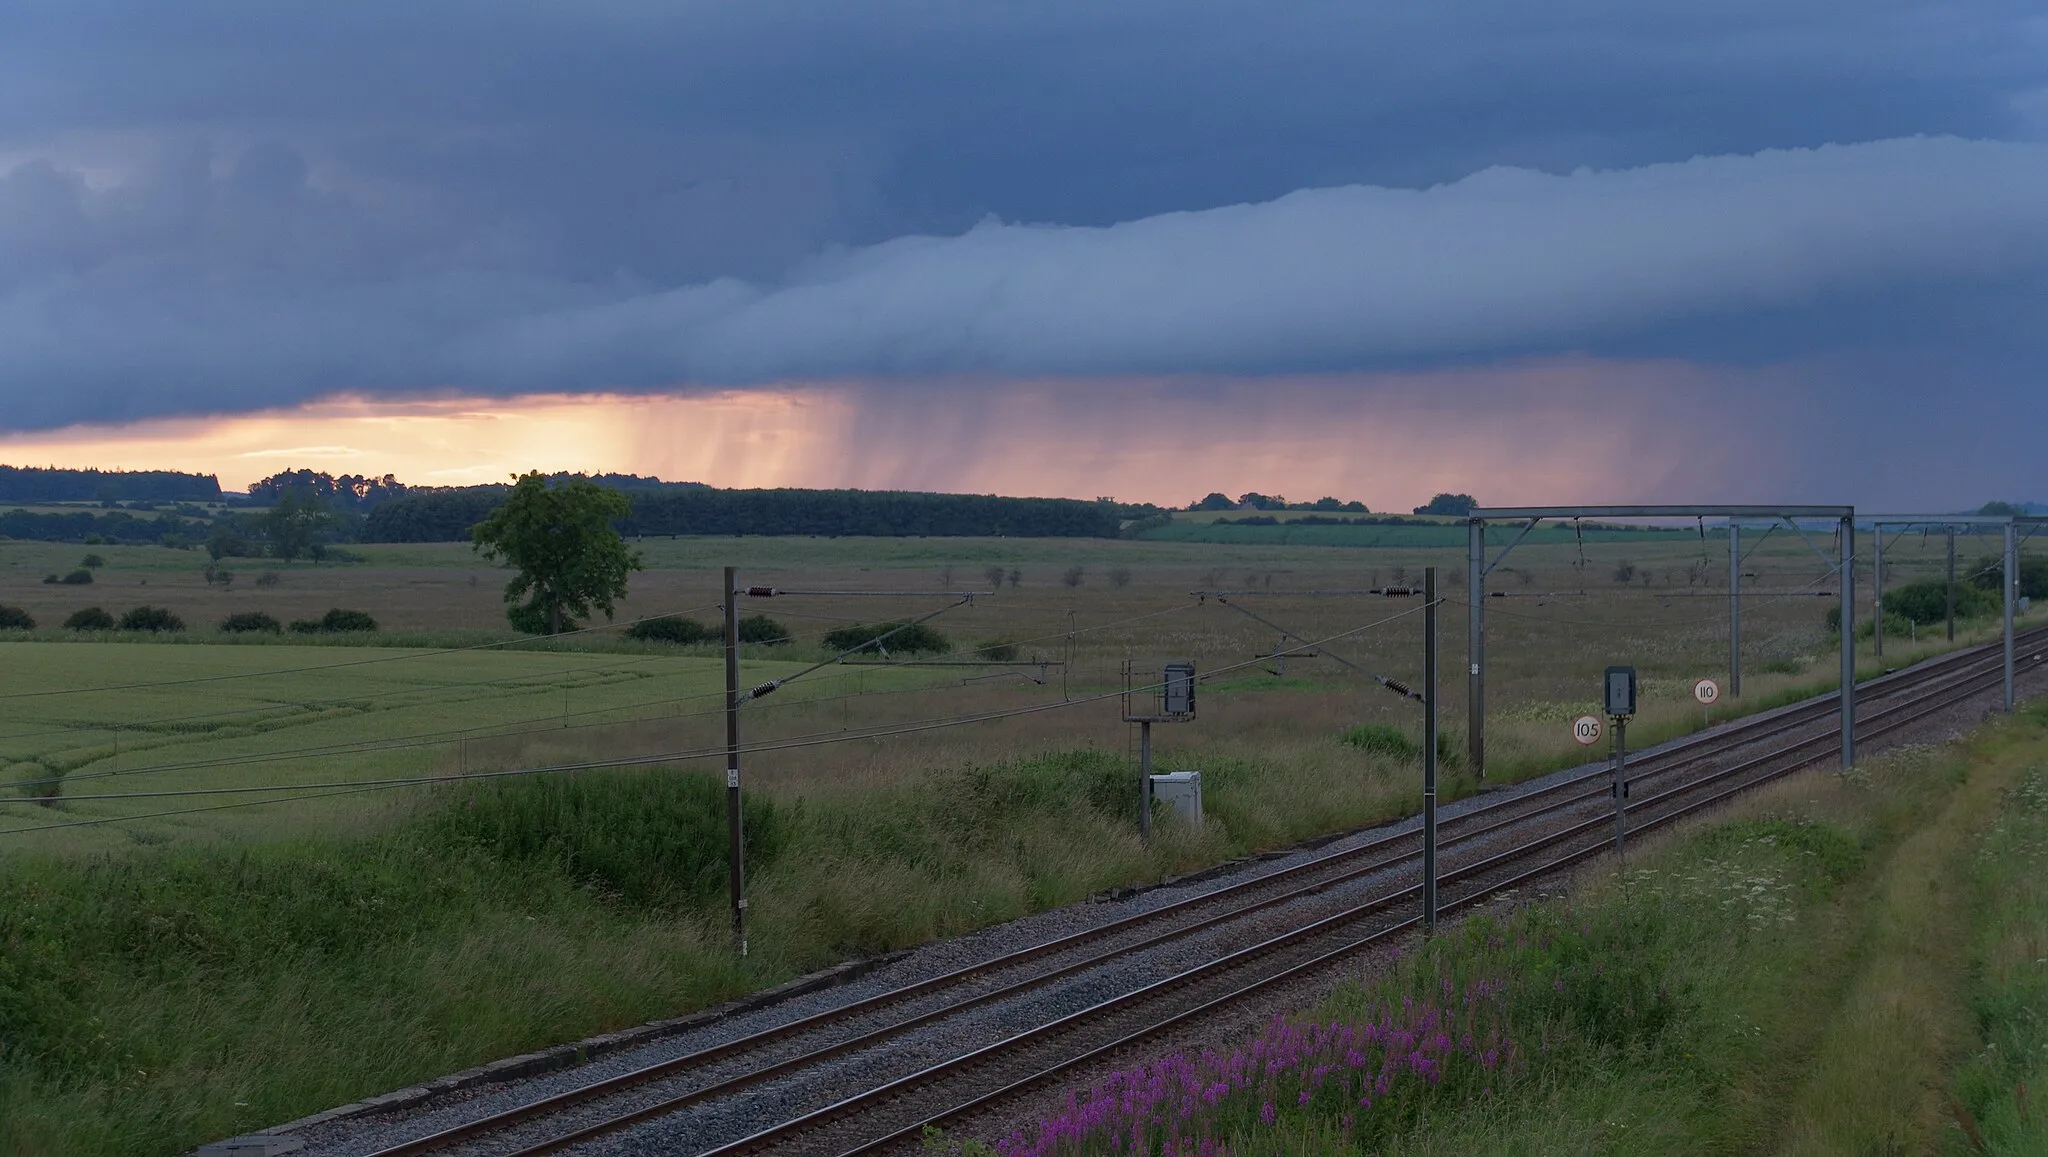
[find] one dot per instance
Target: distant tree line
(50, 484)
(346, 492)
(92, 526)
(1326, 520)
(448, 515)
(1253, 500)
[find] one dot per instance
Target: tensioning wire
(814, 739)
(337, 666)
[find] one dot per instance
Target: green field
(166, 979)
(127, 718)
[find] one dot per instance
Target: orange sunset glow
(1391, 439)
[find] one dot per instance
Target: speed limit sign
(1587, 729)
(1707, 692)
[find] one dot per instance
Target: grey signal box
(1177, 693)
(1621, 691)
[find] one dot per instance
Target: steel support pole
(1475, 649)
(1849, 641)
(1145, 780)
(1951, 586)
(1429, 731)
(2012, 592)
(1877, 588)
(1734, 610)
(735, 867)
(1618, 763)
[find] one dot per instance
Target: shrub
(1120, 577)
(653, 837)
(49, 578)
(670, 629)
(909, 639)
(90, 619)
(92, 562)
(1624, 571)
(996, 650)
(15, 619)
(1073, 576)
(251, 621)
(337, 620)
(78, 578)
(267, 579)
(1986, 572)
(762, 629)
(148, 618)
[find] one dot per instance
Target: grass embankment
(155, 997)
(1851, 964)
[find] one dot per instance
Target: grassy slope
(1849, 964)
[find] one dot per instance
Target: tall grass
(1791, 978)
(163, 996)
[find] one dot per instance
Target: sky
(1576, 252)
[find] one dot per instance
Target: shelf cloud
(195, 286)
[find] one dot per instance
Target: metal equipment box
(1181, 791)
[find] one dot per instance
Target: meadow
(180, 967)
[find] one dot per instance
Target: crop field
(889, 802)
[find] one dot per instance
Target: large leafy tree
(294, 525)
(561, 541)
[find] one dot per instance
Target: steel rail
(1898, 716)
(1677, 756)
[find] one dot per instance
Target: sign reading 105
(1587, 729)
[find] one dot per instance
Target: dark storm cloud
(221, 205)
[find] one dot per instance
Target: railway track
(1257, 933)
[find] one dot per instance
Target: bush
(92, 562)
(251, 621)
(1923, 602)
(148, 618)
(654, 837)
(337, 620)
(762, 629)
(15, 619)
(267, 579)
(1073, 576)
(996, 650)
(1986, 572)
(90, 619)
(909, 639)
(1390, 741)
(78, 578)
(670, 629)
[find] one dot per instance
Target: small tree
(247, 621)
(561, 540)
(1120, 577)
(1074, 576)
(994, 575)
(15, 619)
(762, 629)
(1016, 576)
(1452, 505)
(92, 562)
(90, 619)
(148, 618)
